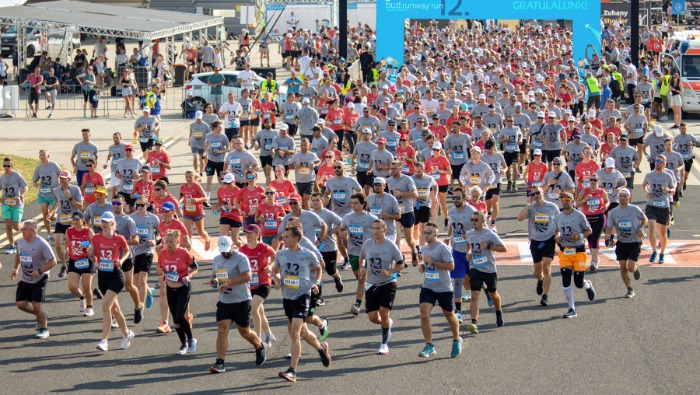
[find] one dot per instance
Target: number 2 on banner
(453, 11)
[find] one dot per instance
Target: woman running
(193, 196)
(80, 268)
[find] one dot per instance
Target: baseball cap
(146, 109)
(252, 228)
(624, 191)
(381, 140)
(64, 174)
(294, 196)
(284, 126)
(78, 214)
(562, 76)
(658, 131)
(517, 104)
(623, 136)
(146, 168)
(572, 119)
(158, 142)
(540, 114)
(482, 96)
(437, 145)
(107, 216)
(367, 131)
(198, 115)
(225, 244)
(576, 135)
(129, 147)
(557, 160)
(477, 149)
(552, 114)
(321, 121)
(567, 194)
(100, 190)
(168, 206)
(609, 163)
(305, 100)
(489, 144)
(379, 180)
(228, 178)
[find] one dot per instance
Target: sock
(336, 279)
(385, 334)
(358, 302)
(458, 306)
(474, 321)
(493, 222)
(82, 297)
(587, 284)
(181, 335)
(322, 327)
(187, 330)
(489, 213)
(569, 295)
(89, 306)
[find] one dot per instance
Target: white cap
(107, 216)
(321, 121)
(609, 163)
(568, 112)
(552, 114)
(198, 115)
(517, 104)
(146, 109)
(477, 149)
(591, 113)
(284, 126)
(658, 131)
(540, 114)
(624, 191)
(482, 96)
(305, 100)
(571, 119)
(539, 78)
(228, 178)
(225, 244)
(437, 145)
(366, 131)
(537, 151)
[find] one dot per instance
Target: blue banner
(678, 7)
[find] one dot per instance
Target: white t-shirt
(313, 74)
(304, 63)
(247, 78)
(232, 119)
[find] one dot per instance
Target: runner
(128, 171)
(684, 145)
(659, 186)
(162, 196)
(361, 160)
(436, 262)
(297, 272)
(91, 180)
(68, 200)
(35, 258)
(510, 138)
(231, 274)
(304, 162)
(239, 163)
(269, 214)
(628, 222)
(263, 141)
(499, 166)
(438, 167)
(158, 161)
(147, 228)
(45, 179)
(196, 140)
(216, 147)
(426, 192)
(127, 228)
(540, 230)
(570, 229)
(625, 158)
(117, 152)
(593, 202)
(481, 243)
(109, 252)
(192, 198)
(384, 206)
(230, 219)
(13, 189)
(328, 246)
(404, 190)
(80, 268)
(148, 129)
(178, 268)
(556, 182)
(611, 181)
(379, 261)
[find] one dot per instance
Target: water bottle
(217, 212)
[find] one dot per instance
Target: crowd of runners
(472, 114)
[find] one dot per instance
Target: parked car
(36, 42)
(197, 86)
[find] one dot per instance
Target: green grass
(25, 167)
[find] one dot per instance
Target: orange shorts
(575, 260)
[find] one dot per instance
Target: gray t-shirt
(84, 152)
(65, 208)
(674, 160)
(482, 259)
(319, 144)
(307, 161)
(264, 138)
(424, 185)
(289, 111)
(295, 272)
(574, 151)
(515, 136)
(461, 222)
(363, 152)
(385, 204)
(627, 222)
(478, 174)
(434, 279)
(332, 221)
(359, 229)
(129, 169)
(239, 162)
(539, 225)
(340, 190)
(217, 142)
(93, 215)
(11, 188)
(148, 132)
(311, 224)
(457, 144)
(553, 192)
(610, 181)
(225, 269)
(118, 152)
(552, 136)
(569, 225)
(383, 158)
(47, 177)
(403, 184)
(625, 158)
(392, 140)
(199, 131)
(285, 143)
(637, 125)
(655, 144)
(657, 182)
(382, 256)
(33, 255)
(126, 227)
(146, 228)
(684, 145)
(496, 162)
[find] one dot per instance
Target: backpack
(615, 87)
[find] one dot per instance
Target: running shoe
(661, 258)
(499, 319)
(590, 291)
(383, 349)
(260, 355)
(82, 305)
(182, 350)
(206, 204)
(570, 314)
(269, 339)
(652, 258)
(473, 328)
(345, 265)
(89, 312)
(289, 375)
(115, 324)
(427, 351)
(493, 228)
(103, 345)
(339, 284)
(50, 238)
(42, 333)
(459, 317)
(488, 299)
(126, 340)
(543, 301)
(64, 270)
(324, 332)
(138, 315)
(325, 353)
(149, 298)
(192, 345)
(355, 309)
(637, 273)
(163, 328)
(217, 367)
(630, 293)
(320, 302)
(456, 347)
(539, 288)
(594, 265)
(515, 187)
(414, 258)
(467, 296)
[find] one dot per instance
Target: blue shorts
(461, 264)
(50, 201)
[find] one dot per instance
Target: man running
(659, 186)
(13, 189)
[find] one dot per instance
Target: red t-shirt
(175, 265)
(594, 205)
(535, 173)
(226, 195)
(432, 167)
(163, 228)
(158, 203)
(158, 171)
(108, 250)
(338, 155)
(192, 192)
(284, 190)
(259, 258)
(479, 206)
(605, 149)
(584, 172)
(407, 167)
(73, 242)
(144, 189)
(616, 131)
(91, 181)
(325, 173)
(270, 213)
(249, 200)
(439, 131)
(334, 119)
(350, 119)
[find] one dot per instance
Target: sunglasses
(269, 193)
(556, 164)
(140, 205)
(658, 161)
(157, 189)
(538, 193)
(593, 180)
(475, 220)
(128, 150)
(116, 203)
(338, 167)
(6, 166)
(456, 198)
(428, 232)
(293, 203)
(89, 165)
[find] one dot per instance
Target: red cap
(381, 140)
(295, 196)
(129, 147)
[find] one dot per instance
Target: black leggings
(340, 133)
(566, 278)
(351, 137)
(330, 258)
(597, 223)
(178, 299)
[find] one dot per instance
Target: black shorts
(630, 180)
(635, 142)
(32, 292)
(238, 313)
(245, 122)
(647, 105)
(33, 96)
(110, 281)
(549, 155)
(523, 147)
(422, 215)
(477, 279)
(60, 228)
(265, 161)
(442, 188)
(305, 188)
(231, 133)
(688, 164)
(408, 220)
(659, 214)
(148, 145)
(214, 167)
(444, 299)
(207, 64)
(88, 270)
(511, 157)
(456, 170)
(128, 264)
(365, 179)
(313, 302)
(230, 222)
(127, 198)
(330, 258)
(142, 263)
(255, 122)
(493, 191)
(296, 308)
(241, 185)
(546, 251)
(262, 290)
(628, 251)
(380, 296)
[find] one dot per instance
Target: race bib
(402, 209)
(586, 184)
(392, 143)
(405, 169)
(475, 180)
(659, 202)
(435, 175)
(82, 263)
(89, 190)
(569, 251)
(553, 196)
(376, 211)
(537, 143)
(478, 260)
(65, 219)
(155, 169)
(190, 207)
(422, 193)
(339, 196)
(432, 276)
(537, 183)
(221, 276)
(267, 147)
(686, 155)
(458, 239)
(363, 166)
(45, 190)
(624, 225)
(145, 139)
(106, 265)
(457, 155)
(25, 259)
(304, 171)
(84, 156)
(11, 202)
(197, 135)
(639, 132)
(255, 280)
(355, 230)
(97, 221)
(128, 187)
(337, 120)
(236, 162)
(511, 147)
(291, 282)
(216, 145)
(270, 224)
(172, 276)
(541, 218)
(593, 203)
(142, 231)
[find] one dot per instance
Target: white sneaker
(355, 309)
(115, 324)
(192, 345)
(493, 228)
(269, 339)
(89, 312)
(126, 340)
(383, 349)
(82, 305)
(182, 350)
(103, 345)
